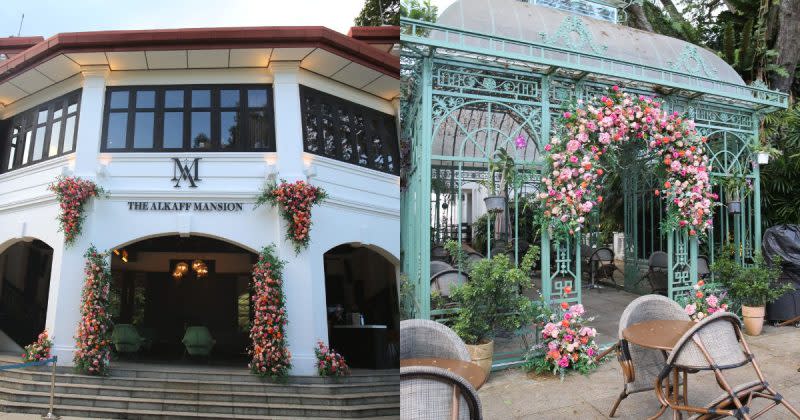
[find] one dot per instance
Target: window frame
(28, 122)
(376, 123)
(215, 109)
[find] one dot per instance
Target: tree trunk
(637, 18)
(786, 44)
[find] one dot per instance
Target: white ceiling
(316, 60)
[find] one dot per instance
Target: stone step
(391, 396)
(111, 413)
(339, 386)
(209, 407)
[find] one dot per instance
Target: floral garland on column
(294, 199)
(72, 193)
(268, 351)
(93, 338)
(600, 127)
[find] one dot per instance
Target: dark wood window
(189, 118)
(349, 132)
(40, 133)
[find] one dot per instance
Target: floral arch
(594, 133)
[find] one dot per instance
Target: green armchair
(126, 339)
(198, 341)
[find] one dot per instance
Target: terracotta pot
(481, 355)
(753, 319)
(495, 203)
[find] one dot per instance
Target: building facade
(183, 129)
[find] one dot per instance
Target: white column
(301, 305)
(66, 278)
(90, 125)
(288, 120)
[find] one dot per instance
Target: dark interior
(360, 282)
(161, 307)
(25, 277)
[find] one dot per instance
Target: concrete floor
(514, 394)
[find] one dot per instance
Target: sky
(442, 4)
(49, 17)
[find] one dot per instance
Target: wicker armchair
(641, 366)
(424, 338)
(431, 393)
(716, 343)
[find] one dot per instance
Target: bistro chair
(656, 272)
(432, 393)
(423, 338)
(641, 366)
(716, 344)
(602, 265)
(439, 266)
(443, 281)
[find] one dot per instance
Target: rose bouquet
(702, 303)
(329, 362)
(567, 342)
(93, 339)
(72, 193)
(599, 127)
(39, 349)
(269, 355)
(294, 200)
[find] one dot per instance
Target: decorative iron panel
(349, 132)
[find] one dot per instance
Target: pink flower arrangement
(93, 338)
(269, 355)
(701, 304)
(600, 126)
(72, 193)
(329, 362)
(567, 343)
(294, 199)
(39, 349)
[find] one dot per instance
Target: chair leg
(622, 396)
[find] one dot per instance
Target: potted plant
(751, 287)
(736, 187)
(764, 151)
(501, 163)
(492, 300)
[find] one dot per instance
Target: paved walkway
(513, 394)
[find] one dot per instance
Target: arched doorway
(362, 306)
(24, 288)
(168, 288)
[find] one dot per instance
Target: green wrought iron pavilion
(490, 71)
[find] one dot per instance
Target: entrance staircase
(161, 391)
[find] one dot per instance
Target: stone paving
(514, 394)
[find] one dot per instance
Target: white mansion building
(183, 129)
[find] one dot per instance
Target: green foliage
(779, 185)
(479, 238)
(492, 299)
(729, 44)
(750, 286)
(457, 254)
(378, 13)
(409, 307)
(419, 10)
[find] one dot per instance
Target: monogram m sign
(187, 170)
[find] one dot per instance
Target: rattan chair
(428, 393)
(716, 344)
(422, 338)
(439, 266)
(641, 366)
(444, 281)
(602, 265)
(656, 272)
